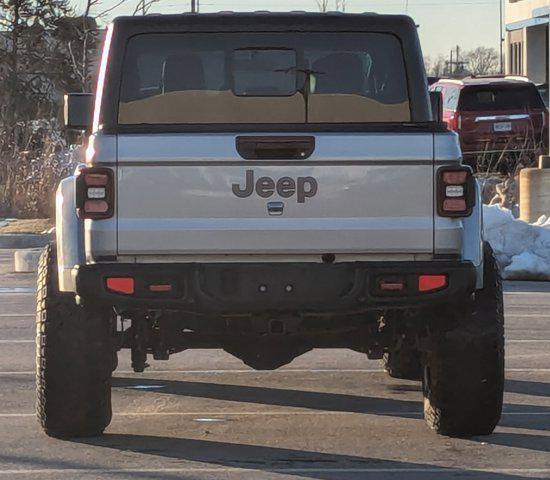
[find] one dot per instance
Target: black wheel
(74, 359)
(403, 364)
(464, 368)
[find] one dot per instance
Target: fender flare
(69, 234)
(472, 247)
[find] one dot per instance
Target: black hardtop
(400, 25)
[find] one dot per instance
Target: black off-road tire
(464, 368)
(74, 358)
(404, 364)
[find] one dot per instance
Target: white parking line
(528, 341)
(293, 471)
(262, 372)
(525, 293)
(17, 291)
(229, 414)
(19, 294)
(268, 413)
(528, 370)
(17, 341)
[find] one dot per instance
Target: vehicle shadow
(536, 418)
(532, 417)
(301, 463)
(279, 397)
(526, 387)
(527, 441)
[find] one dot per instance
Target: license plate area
(502, 127)
(276, 286)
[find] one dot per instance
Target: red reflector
(160, 288)
(454, 205)
(96, 206)
(123, 285)
(392, 286)
(429, 283)
(96, 179)
(458, 177)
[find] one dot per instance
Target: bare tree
(27, 57)
(45, 49)
(436, 67)
(480, 61)
(78, 41)
(29, 72)
(82, 40)
(322, 5)
(340, 5)
(428, 64)
(143, 7)
(483, 61)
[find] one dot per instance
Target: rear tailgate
(501, 126)
(357, 193)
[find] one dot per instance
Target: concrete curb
(24, 240)
(27, 260)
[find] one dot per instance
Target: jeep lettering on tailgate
(286, 187)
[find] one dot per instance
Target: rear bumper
(298, 288)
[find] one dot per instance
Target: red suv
(493, 115)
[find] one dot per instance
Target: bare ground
(34, 225)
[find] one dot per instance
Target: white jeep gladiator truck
(267, 184)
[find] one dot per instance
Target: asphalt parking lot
(328, 415)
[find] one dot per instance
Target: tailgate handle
(275, 147)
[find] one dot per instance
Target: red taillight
(96, 179)
(124, 285)
(95, 206)
(454, 177)
(95, 193)
(454, 205)
(430, 283)
(456, 192)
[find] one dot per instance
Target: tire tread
(73, 359)
(464, 385)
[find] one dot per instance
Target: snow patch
(522, 249)
(5, 221)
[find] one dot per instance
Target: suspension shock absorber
(139, 342)
(158, 341)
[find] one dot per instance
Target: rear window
(263, 78)
(500, 98)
